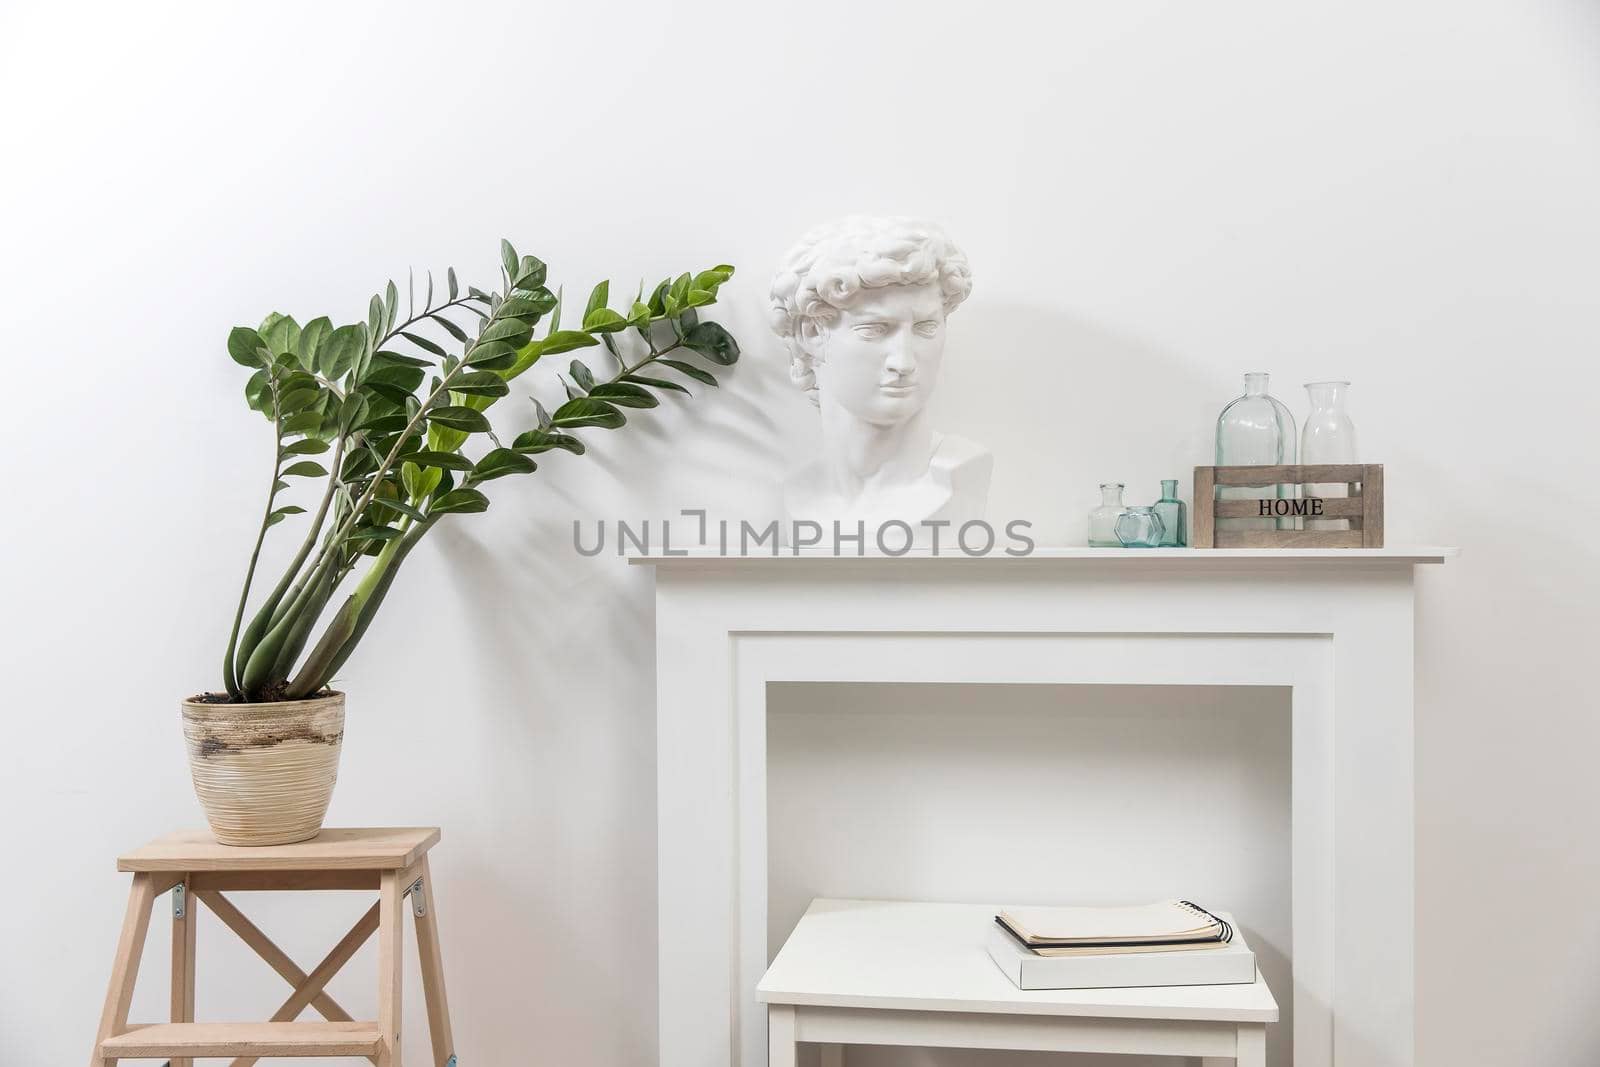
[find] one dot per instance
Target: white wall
(1156, 198)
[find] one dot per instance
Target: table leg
(1253, 1045)
(425, 908)
(125, 966)
(183, 935)
(782, 1049)
(390, 972)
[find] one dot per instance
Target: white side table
(857, 972)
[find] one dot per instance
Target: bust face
(880, 359)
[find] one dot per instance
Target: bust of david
(862, 305)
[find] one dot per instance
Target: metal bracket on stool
(419, 903)
(179, 900)
(451, 1062)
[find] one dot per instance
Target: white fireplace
(1330, 632)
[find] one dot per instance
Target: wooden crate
(1363, 507)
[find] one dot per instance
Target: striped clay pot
(264, 772)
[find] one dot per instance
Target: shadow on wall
(1084, 403)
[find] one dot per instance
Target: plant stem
(229, 677)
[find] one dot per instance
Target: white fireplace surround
(1335, 627)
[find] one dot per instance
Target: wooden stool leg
(391, 895)
(184, 922)
(425, 907)
(782, 1051)
(125, 967)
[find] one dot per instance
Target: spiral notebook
(1167, 926)
(1227, 962)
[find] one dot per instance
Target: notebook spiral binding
(1227, 927)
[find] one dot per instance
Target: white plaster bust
(862, 303)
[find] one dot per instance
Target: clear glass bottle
(1103, 519)
(1329, 437)
(1139, 527)
(1253, 430)
(1174, 517)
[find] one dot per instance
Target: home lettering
(1311, 506)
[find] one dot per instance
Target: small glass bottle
(1329, 437)
(1174, 517)
(1139, 527)
(1103, 519)
(1255, 430)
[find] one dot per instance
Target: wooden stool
(198, 870)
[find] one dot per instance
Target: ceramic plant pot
(264, 772)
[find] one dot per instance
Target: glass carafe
(1329, 437)
(1103, 519)
(1174, 519)
(1253, 430)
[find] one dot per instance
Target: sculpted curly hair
(831, 264)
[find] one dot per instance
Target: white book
(1227, 964)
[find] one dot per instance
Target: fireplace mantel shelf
(1199, 559)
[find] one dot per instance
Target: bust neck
(860, 457)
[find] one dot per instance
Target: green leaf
(597, 298)
(566, 341)
(624, 394)
(699, 298)
(581, 375)
(656, 383)
(586, 412)
(501, 462)
(340, 350)
(535, 441)
(704, 377)
(513, 331)
(442, 439)
(306, 468)
(452, 460)
(387, 358)
(419, 481)
(640, 315)
(555, 312)
(460, 500)
(375, 318)
(604, 321)
(375, 533)
(395, 383)
(658, 297)
(459, 418)
(281, 333)
(246, 347)
(424, 344)
(711, 278)
(480, 383)
(282, 513)
(305, 422)
(450, 281)
(529, 274)
(451, 328)
(495, 355)
(258, 393)
(298, 400)
(542, 415)
(391, 304)
(312, 338)
(396, 504)
(712, 341)
(508, 258)
(383, 424)
(309, 446)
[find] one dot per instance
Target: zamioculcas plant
(389, 414)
